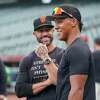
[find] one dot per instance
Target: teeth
(45, 39)
(59, 31)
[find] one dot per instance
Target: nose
(56, 27)
(44, 33)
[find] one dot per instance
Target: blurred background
(16, 27)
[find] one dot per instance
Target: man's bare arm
(52, 72)
(51, 68)
(52, 79)
(77, 87)
(38, 87)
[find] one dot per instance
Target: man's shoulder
(27, 61)
(29, 57)
(59, 51)
(79, 47)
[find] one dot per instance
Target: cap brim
(43, 25)
(52, 17)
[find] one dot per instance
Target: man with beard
(32, 80)
(75, 77)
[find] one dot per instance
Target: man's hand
(51, 68)
(42, 51)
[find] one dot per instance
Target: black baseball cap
(42, 22)
(65, 11)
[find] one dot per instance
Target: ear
(53, 30)
(33, 33)
(74, 22)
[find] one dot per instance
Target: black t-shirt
(76, 60)
(32, 71)
(96, 56)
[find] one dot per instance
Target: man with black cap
(75, 80)
(32, 80)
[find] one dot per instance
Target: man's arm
(52, 78)
(31, 89)
(51, 67)
(52, 72)
(79, 69)
(38, 87)
(77, 87)
(23, 87)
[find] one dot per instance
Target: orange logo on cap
(42, 19)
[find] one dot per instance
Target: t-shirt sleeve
(23, 87)
(78, 60)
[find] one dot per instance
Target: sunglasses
(59, 11)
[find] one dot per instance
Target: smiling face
(63, 27)
(44, 35)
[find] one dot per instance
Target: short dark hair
(97, 40)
